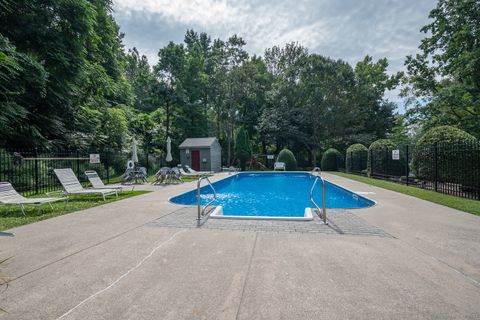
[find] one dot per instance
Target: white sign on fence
(270, 156)
(396, 154)
(94, 158)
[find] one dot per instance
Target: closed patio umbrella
(169, 150)
(134, 150)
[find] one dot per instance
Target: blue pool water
(272, 194)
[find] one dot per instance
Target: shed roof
(198, 142)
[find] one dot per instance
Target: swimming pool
(272, 194)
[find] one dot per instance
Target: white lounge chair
(72, 186)
(10, 196)
(97, 183)
(185, 173)
(279, 166)
(195, 172)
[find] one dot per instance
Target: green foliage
(332, 160)
(22, 83)
(382, 144)
(446, 135)
(288, 158)
(452, 147)
(375, 114)
(381, 151)
(243, 151)
(400, 134)
(356, 147)
(445, 72)
(67, 82)
(356, 157)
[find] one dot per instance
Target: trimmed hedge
(356, 157)
(455, 151)
(332, 160)
(287, 156)
(381, 151)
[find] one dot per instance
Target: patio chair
(129, 174)
(161, 175)
(72, 186)
(97, 183)
(10, 196)
(142, 174)
(279, 166)
(175, 175)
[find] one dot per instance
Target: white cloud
(261, 25)
(198, 12)
(347, 29)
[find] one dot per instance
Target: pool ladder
(202, 211)
(323, 216)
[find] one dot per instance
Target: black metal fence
(31, 171)
(443, 167)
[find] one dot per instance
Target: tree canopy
(68, 82)
(443, 80)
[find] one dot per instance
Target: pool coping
(304, 218)
(218, 214)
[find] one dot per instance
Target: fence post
(386, 161)
(435, 154)
(147, 165)
(107, 166)
(407, 166)
(36, 170)
(371, 162)
(78, 165)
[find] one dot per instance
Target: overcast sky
(346, 29)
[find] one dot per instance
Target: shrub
(242, 149)
(287, 156)
(381, 151)
(456, 155)
(356, 157)
(332, 160)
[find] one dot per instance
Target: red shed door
(196, 160)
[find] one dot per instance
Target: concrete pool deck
(122, 261)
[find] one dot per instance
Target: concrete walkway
(119, 261)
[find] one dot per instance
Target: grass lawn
(11, 216)
(467, 205)
(151, 179)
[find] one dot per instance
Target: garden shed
(201, 154)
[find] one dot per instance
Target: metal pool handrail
(324, 210)
(201, 212)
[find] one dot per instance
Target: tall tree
(443, 79)
(375, 114)
(243, 150)
(53, 34)
(169, 72)
(140, 76)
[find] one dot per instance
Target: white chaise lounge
(195, 172)
(72, 186)
(10, 196)
(97, 183)
(279, 166)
